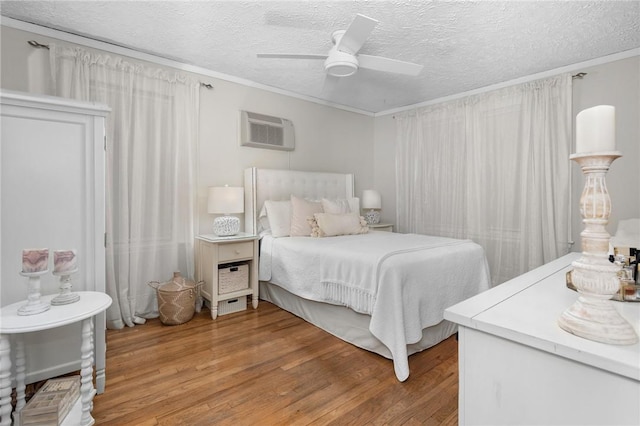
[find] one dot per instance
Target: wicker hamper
(233, 277)
(177, 299)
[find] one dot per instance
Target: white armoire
(52, 156)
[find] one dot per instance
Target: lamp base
(372, 217)
(224, 226)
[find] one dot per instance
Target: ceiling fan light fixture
(341, 64)
(341, 69)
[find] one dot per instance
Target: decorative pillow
(331, 225)
(279, 215)
(301, 209)
(263, 219)
(341, 205)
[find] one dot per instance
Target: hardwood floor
(267, 367)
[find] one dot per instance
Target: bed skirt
(347, 324)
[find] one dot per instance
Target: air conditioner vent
(264, 131)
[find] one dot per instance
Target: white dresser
(517, 367)
(52, 156)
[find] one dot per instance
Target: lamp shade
(225, 200)
(371, 199)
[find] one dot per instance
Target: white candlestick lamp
(371, 200)
(593, 315)
(226, 200)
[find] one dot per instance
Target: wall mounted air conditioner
(264, 131)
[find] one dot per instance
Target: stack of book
(51, 404)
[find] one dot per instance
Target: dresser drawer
(235, 251)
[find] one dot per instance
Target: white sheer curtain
(151, 170)
(493, 168)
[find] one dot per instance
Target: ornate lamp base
(372, 217)
(226, 225)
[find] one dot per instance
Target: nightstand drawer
(235, 251)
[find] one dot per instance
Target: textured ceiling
(463, 45)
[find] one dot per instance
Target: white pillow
(263, 220)
(302, 209)
(341, 205)
(354, 204)
(279, 215)
(336, 206)
(331, 225)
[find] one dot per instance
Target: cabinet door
(52, 186)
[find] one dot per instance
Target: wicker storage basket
(230, 306)
(177, 299)
(233, 277)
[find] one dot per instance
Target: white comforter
(404, 281)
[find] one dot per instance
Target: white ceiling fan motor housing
(338, 63)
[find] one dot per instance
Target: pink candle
(35, 260)
(64, 261)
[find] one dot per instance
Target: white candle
(596, 129)
(35, 260)
(64, 261)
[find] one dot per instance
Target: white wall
(618, 84)
(327, 139)
(614, 83)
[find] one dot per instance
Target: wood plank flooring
(267, 367)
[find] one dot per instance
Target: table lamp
(371, 200)
(226, 200)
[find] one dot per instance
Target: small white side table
(212, 251)
(388, 227)
(90, 304)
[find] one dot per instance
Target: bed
(381, 291)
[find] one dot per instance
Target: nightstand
(382, 227)
(212, 251)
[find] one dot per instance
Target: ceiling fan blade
(290, 56)
(357, 33)
(379, 63)
(330, 84)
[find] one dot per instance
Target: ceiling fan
(343, 59)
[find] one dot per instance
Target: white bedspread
(404, 281)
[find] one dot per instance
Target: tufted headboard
(271, 184)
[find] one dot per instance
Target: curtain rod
(37, 45)
(579, 75)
